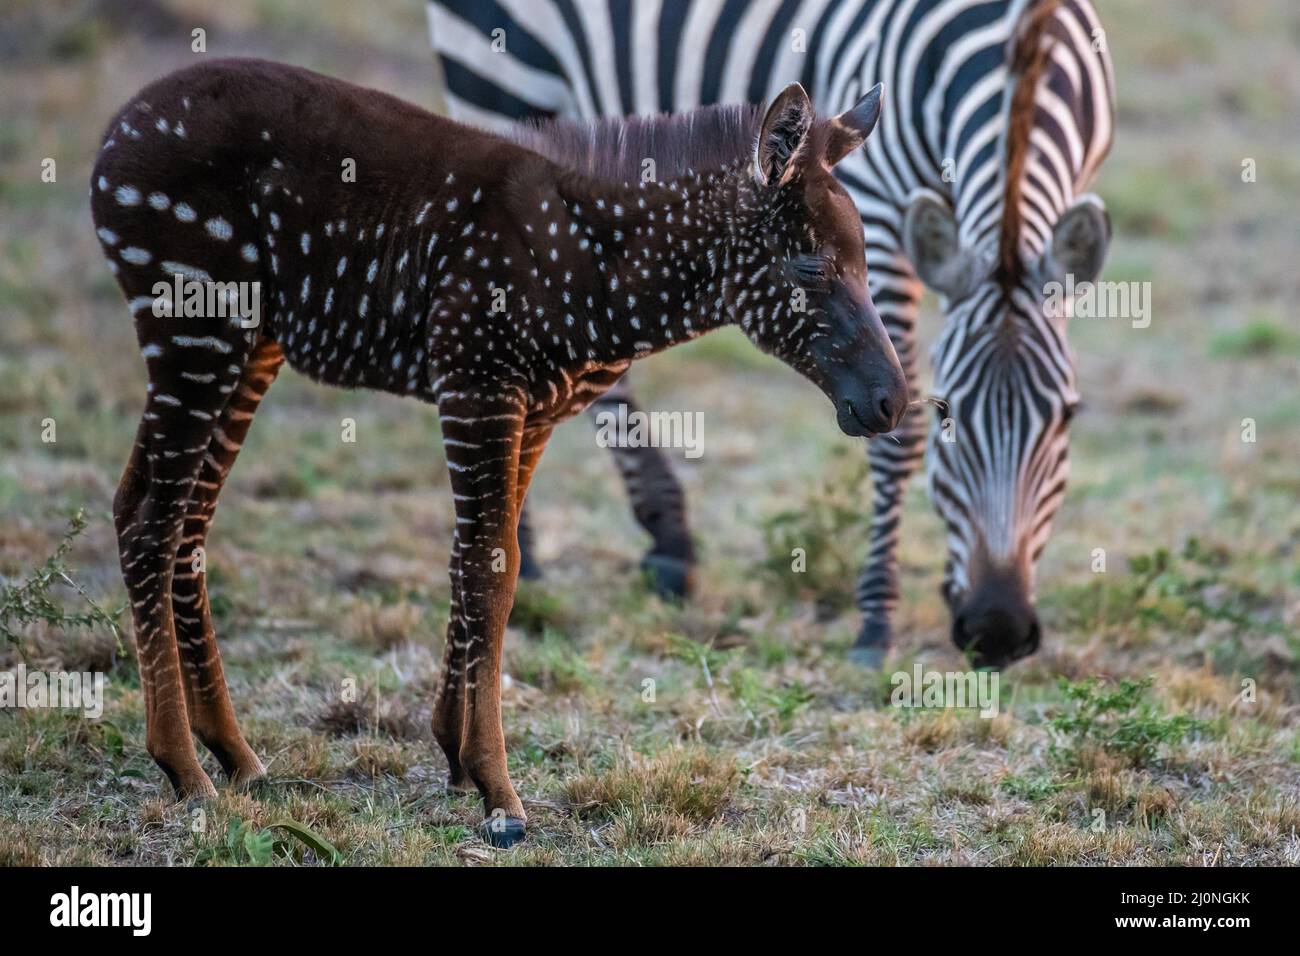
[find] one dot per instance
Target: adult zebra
(998, 115)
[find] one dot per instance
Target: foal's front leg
(482, 442)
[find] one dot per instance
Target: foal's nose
(888, 402)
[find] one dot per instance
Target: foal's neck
(662, 255)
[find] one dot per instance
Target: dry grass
(327, 562)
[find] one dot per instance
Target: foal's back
(245, 170)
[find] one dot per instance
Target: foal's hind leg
(212, 718)
(190, 378)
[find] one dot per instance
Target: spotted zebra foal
(509, 280)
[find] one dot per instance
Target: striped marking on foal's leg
(482, 438)
(449, 700)
(150, 512)
(212, 717)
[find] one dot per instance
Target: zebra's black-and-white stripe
(998, 114)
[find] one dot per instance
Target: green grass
(1259, 338)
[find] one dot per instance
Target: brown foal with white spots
(509, 281)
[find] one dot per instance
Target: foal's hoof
(503, 832)
(193, 787)
(671, 578)
(461, 783)
(246, 773)
(872, 644)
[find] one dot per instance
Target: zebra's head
(1005, 378)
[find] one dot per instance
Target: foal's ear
(783, 138)
(851, 128)
(932, 241)
(1079, 242)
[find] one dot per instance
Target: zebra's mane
(1028, 55)
(615, 149)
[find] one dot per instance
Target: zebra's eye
(811, 271)
(1067, 414)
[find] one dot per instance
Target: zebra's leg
(658, 503)
(894, 459)
(212, 718)
(189, 388)
(529, 569)
(483, 442)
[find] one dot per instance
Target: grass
(730, 730)
(1259, 338)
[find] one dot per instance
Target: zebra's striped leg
(212, 718)
(529, 569)
(658, 503)
(877, 589)
(894, 459)
(482, 442)
(149, 511)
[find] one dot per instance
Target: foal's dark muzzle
(870, 392)
(872, 410)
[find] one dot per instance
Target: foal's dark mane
(613, 149)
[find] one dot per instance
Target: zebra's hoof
(503, 832)
(671, 578)
(872, 645)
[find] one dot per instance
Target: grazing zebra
(1000, 113)
(508, 280)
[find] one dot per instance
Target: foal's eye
(811, 271)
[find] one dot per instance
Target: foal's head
(810, 243)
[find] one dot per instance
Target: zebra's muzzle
(995, 633)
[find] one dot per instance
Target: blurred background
(329, 559)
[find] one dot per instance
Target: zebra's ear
(1079, 243)
(783, 138)
(932, 241)
(851, 128)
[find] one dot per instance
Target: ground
(757, 743)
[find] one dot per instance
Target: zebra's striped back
(943, 65)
